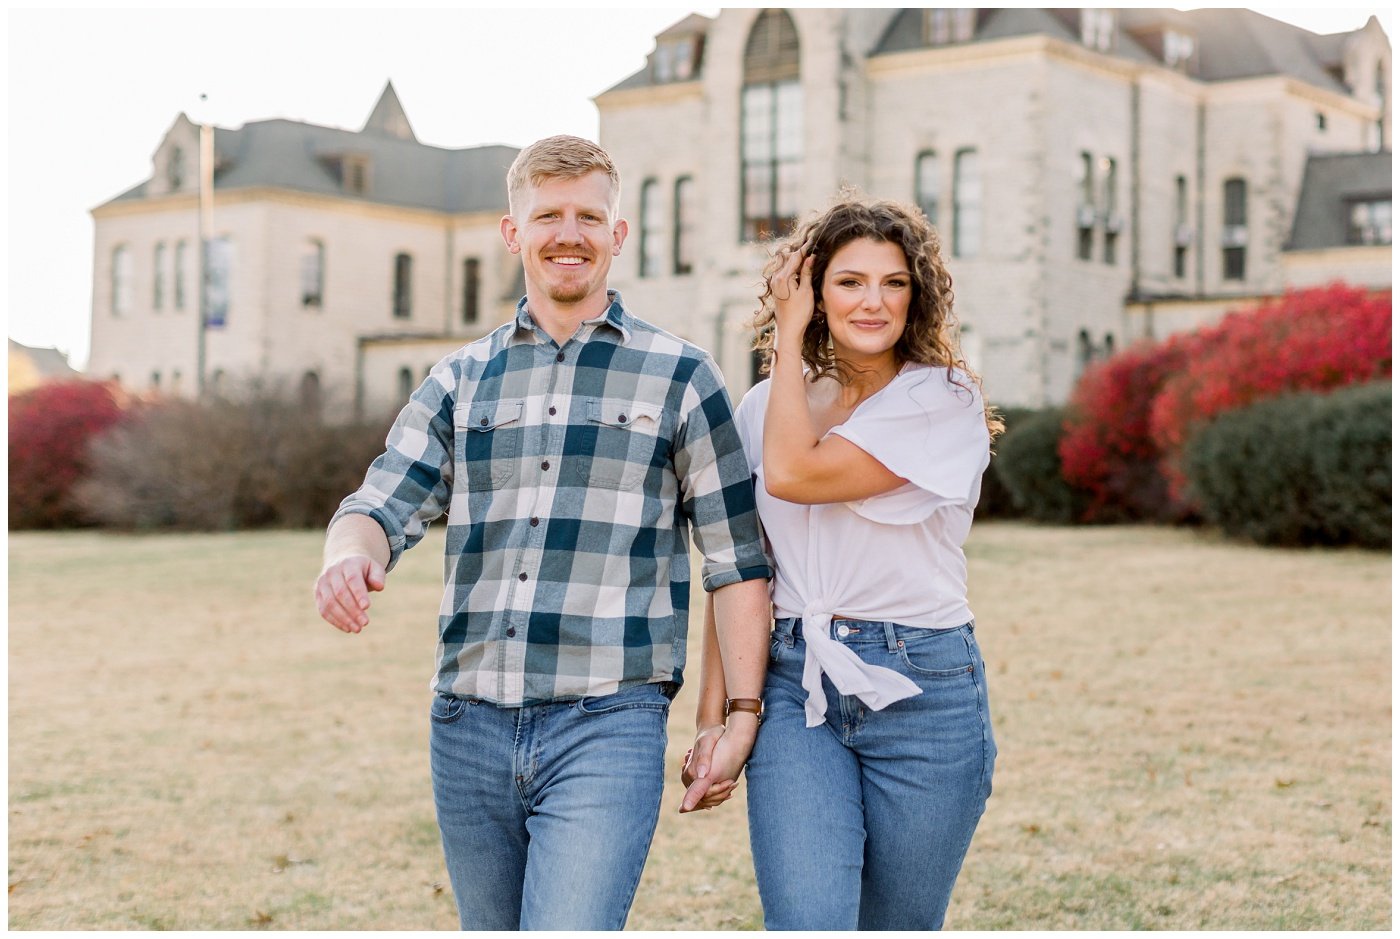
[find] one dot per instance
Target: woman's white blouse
(895, 557)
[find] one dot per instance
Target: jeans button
(843, 631)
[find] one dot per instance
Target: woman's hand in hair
(793, 298)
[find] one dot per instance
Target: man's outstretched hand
(343, 589)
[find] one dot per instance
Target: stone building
(1096, 175)
(343, 263)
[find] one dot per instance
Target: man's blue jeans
(863, 821)
(547, 811)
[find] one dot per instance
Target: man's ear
(509, 233)
(619, 235)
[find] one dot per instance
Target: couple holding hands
(576, 451)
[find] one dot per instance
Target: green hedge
(995, 500)
(1028, 465)
(1299, 469)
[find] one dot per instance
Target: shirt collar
(616, 315)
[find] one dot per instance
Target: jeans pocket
(650, 697)
(941, 653)
(447, 709)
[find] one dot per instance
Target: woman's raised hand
(793, 299)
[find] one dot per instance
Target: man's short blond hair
(560, 157)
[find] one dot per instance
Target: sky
(92, 91)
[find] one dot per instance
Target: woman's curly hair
(931, 330)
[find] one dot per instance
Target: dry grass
(1193, 735)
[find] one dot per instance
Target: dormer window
(944, 26)
(1177, 49)
(674, 60)
(354, 174)
(1096, 29)
(175, 168)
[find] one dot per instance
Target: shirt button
(534, 522)
(524, 576)
(484, 422)
(622, 418)
(552, 412)
(559, 357)
(544, 465)
(843, 631)
(510, 633)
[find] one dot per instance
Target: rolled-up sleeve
(410, 483)
(716, 488)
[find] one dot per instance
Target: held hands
(712, 766)
(342, 591)
(793, 298)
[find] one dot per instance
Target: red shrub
(1306, 340)
(1107, 447)
(50, 429)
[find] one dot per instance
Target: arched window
(770, 128)
(405, 383)
(1084, 352)
(926, 184)
(650, 234)
(967, 205)
(403, 286)
(310, 393)
(683, 240)
(175, 168)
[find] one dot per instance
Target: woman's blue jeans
(547, 811)
(863, 822)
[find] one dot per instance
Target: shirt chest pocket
(620, 440)
(488, 435)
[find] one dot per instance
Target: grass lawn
(1194, 734)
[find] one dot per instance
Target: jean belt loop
(891, 641)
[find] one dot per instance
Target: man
(571, 450)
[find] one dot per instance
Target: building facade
(342, 264)
(1096, 176)
(1081, 166)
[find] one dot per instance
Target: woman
(874, 759)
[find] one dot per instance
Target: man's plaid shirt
(570, 477)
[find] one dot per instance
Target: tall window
(313, 272)
(1368, 223)
(1234, 237)
(926, 185)
(471, 290)
(1111, 221)
(770, 128)
(403, 286)
(683, 243)
(1377, 130)
(1083, 352)
(967, 205)
(309, 392)
(218, 280)
(182, 261)
(158, 277)
(405, 383)
(1181, 229)
(650, 252)
(1084, 214)
(122, 286)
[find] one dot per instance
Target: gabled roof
(1331, 182)
(306, 157)
(695, 24)
(388, 117)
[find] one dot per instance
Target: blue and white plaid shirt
(570, 477)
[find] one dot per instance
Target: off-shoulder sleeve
(929, 430)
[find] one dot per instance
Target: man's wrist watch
(752, 705)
